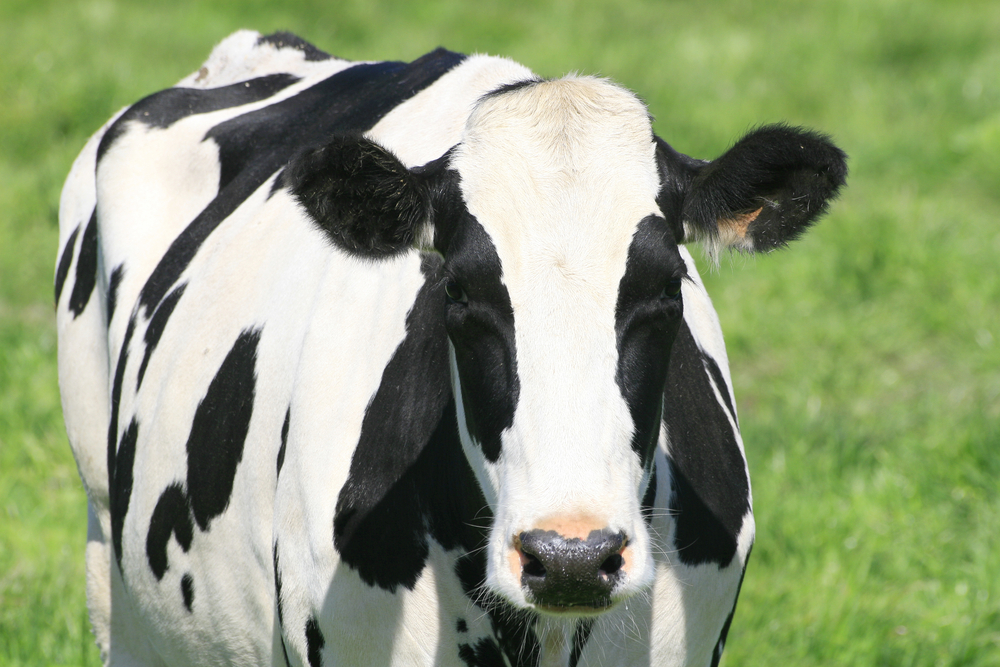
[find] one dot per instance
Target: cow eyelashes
(671, 291)
(455, 293)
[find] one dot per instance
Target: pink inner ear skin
(741, 222)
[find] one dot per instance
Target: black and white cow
(406, 364)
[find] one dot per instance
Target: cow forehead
(559, 174)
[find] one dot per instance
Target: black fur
(314, 643)
(62, 271)
(154, 331)
(408, 478)
(120, 459)
(219, 430)
(284, 40)
(789, 173)
(187, 591)
(86, 269)
(366, 201)
(171, 517)
(113, 284)
(166, 107)
(482, 332)
(284, 440)
(121, 485)
(711, 491)
(646, 323)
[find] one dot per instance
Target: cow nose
(563, 573)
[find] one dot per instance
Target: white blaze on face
(559, 174)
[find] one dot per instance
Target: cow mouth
(594, 608)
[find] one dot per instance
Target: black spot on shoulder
(219, 430)
(86, 268)
(62, 271)
(166, 107)
(113, 284)
(314, 643)
(282, 39)
(154, 331)
(255, 145)
(284, 439)
(121, 485)
(171, 516)
(187, 591)
(711, 491)
(461, 626)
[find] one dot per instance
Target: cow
(385, 363)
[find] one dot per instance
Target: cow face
(558, 217)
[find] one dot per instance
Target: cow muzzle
(573, 575)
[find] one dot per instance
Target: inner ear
(360, 194)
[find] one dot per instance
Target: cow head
(558, 216)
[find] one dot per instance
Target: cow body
(398, 364)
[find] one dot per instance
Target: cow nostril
(611, 565)
(532, 566)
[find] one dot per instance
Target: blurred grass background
(866, 358)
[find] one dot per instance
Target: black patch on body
(120, 459)
(646, 323)
(408, 477)
(154, 331)
(482, 332)
(461, 626)
(214, 450)
(121, 485)
(286, 40)
(314, 643)
(86, 268)
(171, 516)
(113, 284)
(187, 591)
(284, 440)
(166, 107)
(711, 490)
(219, 430)
(62, 271)
(255, 145)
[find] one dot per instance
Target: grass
(866, 357)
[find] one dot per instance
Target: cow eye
(454, 292)
(671, 291)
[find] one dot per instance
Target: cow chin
(569, 567)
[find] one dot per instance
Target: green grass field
(866, 357)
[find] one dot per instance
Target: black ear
(764, 191)
(362, 196)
